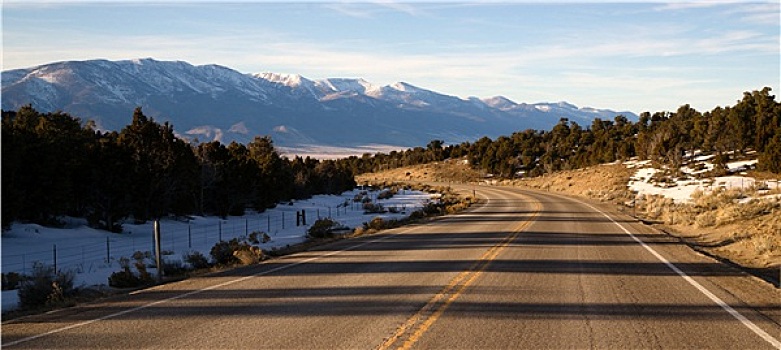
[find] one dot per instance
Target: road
(522, 270)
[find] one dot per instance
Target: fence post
(303, 216)
(157, 252)
(189, 236)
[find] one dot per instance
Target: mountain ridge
(211, 102)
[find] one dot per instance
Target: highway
(521, 270)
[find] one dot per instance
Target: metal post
(157, 252)
(303, 216)
(189, 236)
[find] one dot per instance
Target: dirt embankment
(448, 171)
(746, 234)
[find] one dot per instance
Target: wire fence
(283, 225)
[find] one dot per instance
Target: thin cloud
(349, 10)
(370, 9)
(404, 7)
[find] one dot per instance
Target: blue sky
(635, 56)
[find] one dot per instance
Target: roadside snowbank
(94, 254)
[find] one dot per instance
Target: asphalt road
(523, 270)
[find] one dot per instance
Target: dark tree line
(753, 124)
(54, 165)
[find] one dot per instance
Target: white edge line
(191, 293)
(746, 322)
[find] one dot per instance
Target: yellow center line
(437, 305)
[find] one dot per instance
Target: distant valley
(331, 116)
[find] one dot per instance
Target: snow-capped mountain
(214, 102)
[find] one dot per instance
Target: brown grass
(748, 234)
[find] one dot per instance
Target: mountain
(211, 102)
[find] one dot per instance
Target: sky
(625, 55)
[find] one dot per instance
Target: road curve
(522, 270)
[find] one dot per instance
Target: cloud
(759, 13)
(691, 4)
(588, 54)
(350, 10)
(370, 9)
(403, 7)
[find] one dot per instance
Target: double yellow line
(421, 321)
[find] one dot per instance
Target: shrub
(173, 268)
(257, 237)
(433, 208)
(379, 224)
(45, 286)
(196, 260)
(322, 228)
(234, 252)
(126, 278)
(417, 215)
(371, 208)
(222, 253)
(706, 219)
(11, 280)
(376, 224)
(765, 244)
(251, 255)
(386, 194)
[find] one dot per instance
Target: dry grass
(603, 182)
(747, 233)
(450, 171)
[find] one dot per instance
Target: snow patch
(207, 131)
(239, 128)
(84, 250)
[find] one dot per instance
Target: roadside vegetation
(54, 165)
(145, 172)
(685, 149)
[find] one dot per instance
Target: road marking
(195, 292)
(746, 322)
(437, 305)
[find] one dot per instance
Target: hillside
(212, 102)
(735, 217)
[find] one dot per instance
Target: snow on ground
(680, 190)
(94, 254)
